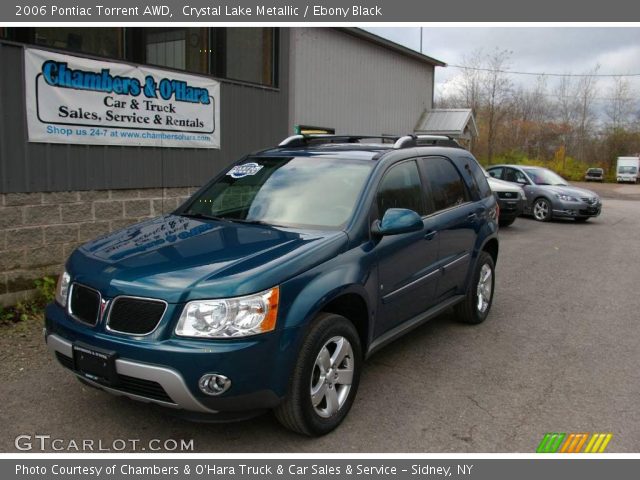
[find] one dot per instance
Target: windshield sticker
(244, 170)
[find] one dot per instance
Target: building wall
(55, 197)
(251, 117)
(354, 86)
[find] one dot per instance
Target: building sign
(78, 100)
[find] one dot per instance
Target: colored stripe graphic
(573, 442)
(550, 443)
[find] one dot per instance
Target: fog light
(214, 384)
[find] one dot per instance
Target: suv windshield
(594, 171)
(542, 176)
(285, 191)
(631, 170)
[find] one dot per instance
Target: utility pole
(420, 39)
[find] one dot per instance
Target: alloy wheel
(541, 210)
(485, 287)
(332, 376)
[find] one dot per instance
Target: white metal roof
(455, 122)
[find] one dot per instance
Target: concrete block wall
(38, 231)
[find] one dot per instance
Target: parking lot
(559, 353)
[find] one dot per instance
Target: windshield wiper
(203, 216)
(244, 220)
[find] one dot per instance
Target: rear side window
(479, 180)
(401, 188)
(513, 175)
(446, 186)
(496, 172)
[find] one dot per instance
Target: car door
(407, 263)
(516, 176)
(457, 218)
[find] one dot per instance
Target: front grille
(508, 195)
(84, 304)
(132, 385)
(136, 316)
(589, 200)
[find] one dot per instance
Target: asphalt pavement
(558, 353)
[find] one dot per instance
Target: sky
(535, 49)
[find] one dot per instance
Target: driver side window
(401, 188)
(514, 176)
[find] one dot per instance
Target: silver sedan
(548, 194)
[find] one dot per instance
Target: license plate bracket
(95, 363)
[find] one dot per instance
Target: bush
(22, 311)
(46, 288)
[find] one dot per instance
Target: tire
(471, 310)
(506, 223)
(297, 411)
(541, 210)
(581, 219)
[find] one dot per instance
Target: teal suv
(270, 287)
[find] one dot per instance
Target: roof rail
(407, 141)
(305, 140)
(413, 140)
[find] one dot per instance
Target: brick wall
(38, 231)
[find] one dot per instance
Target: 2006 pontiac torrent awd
(271, 285)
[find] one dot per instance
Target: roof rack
(321, 138)
(407, 141)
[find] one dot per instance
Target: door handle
(430, 235)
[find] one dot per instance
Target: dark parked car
(594, 175)
(548, 194)
(511, 199)
(270, 287)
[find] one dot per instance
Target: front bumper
(166, 371)
(576, 209)
(510, 208)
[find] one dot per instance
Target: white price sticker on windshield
(244, 170)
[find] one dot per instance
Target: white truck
(628, 169)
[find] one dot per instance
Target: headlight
(62, 289)
(567, 198)
(230, 317)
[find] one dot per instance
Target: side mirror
(396, 221)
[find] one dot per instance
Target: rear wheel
(542, 210)
(325, 379)
(477, 303)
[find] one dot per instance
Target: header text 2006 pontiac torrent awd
(273, 283)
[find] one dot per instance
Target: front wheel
(325, 378)
(475, 307)
(542, 210)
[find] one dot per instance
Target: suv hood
(179, 259)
